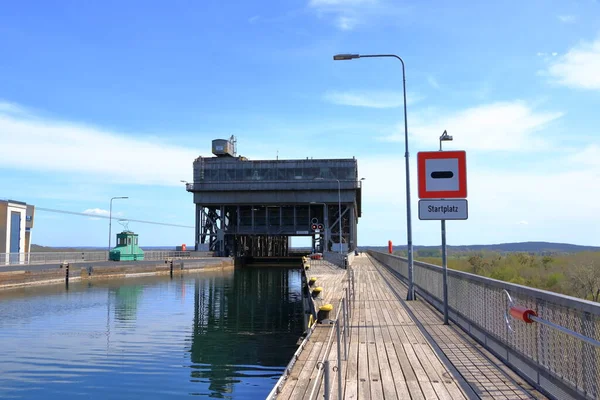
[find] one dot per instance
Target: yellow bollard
(316, 292)
(323, 313)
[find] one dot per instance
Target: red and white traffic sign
(442, 174)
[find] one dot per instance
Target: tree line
(576, 274)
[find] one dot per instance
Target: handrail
(38, 258)
(343, 307)
(552, 355)
(288, 368)
(328, 345)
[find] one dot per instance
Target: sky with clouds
(103, 99)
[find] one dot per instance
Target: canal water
(218, 334)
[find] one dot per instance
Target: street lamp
(338, 57)
(444, 138)
(110, 218)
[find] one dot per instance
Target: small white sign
(443, 209)
(301, 232)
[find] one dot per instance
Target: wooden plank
(363, 372)
(303, 379)
(398, 373)
(450, 383)
(376, 389)
(387, 379)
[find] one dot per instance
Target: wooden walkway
(390, 356)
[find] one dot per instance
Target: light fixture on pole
(110, 218)
(445, 138)
(411, 290)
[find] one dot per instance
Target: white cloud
(433, 82)
(102, 213)
(523, 223)
(567, 19)
(346, 23)
(339, 3)
(579, 67)
(97, 211)
(497, 126)
(347, 14)
(57, 146)
(589, 156)
(11, 108)
(371, 99)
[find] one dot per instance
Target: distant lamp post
(445, 138)
(339, 57)
(110, 218)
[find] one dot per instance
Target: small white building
(16, 221)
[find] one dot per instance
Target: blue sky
(103, 99)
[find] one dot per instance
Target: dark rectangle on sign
(442, 174)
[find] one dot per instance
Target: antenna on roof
(124, 223)
(233, 141)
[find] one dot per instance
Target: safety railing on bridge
(340, 334)
(52, 257)
(554, 360)
(87, 256)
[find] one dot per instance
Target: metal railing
(51, 257)
(559, 364)
(7, 259)
(340, 259)
(341, 326)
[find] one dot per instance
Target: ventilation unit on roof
(224, 147)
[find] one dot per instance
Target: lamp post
(110, 218)
(445, 138)
(338, 57)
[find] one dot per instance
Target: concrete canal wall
(56, 273)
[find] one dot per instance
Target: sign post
(443, 186)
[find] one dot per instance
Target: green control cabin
(127, 248)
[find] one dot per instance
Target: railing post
(326, 379)
(345, 330)
(339, 358)
(349, 309)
